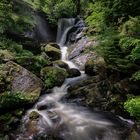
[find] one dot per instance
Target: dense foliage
(116, 24)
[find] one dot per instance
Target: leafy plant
(133, 107)
(10, 99)
(135, 76)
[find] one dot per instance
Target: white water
(71, 121)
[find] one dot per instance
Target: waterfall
(64, 26)
(70, 121)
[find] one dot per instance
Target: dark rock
(73, 72)
(53, 52)
(97, 94)
(95, 66)
(55, 45)
(61, 64)
(134, 133)
(42, 107)
(90, 68)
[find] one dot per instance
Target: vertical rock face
(21, 80)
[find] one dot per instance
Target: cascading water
(67, 121)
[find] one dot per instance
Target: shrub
(12, 99)
(133, 107)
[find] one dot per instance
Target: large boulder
(95, 66)
(53, 76)
(23, 87)
(97, 94)
(53, 52)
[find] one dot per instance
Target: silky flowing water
(68, 121)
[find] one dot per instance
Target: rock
(42, 107)
(96, 93)
(34, 63)
(73, 72)
(61, 64)
(81, 60)
(95, 66)
(83, 45)
(77, 48)
(88, 91)
(90, 68)
(24, 87)
(55, 45)
(53, 76)
(52, 52)
(34, 115)
(134, 133)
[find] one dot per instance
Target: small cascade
(68, 121)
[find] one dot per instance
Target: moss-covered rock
(90, 67)
(95, 66)
(23, 87)
(73, 72)
(54, 45)
(53, 76)
(61, 64)
(34, 63)
(34, 115)
(6, 55)
(53, 52)
(97, 94)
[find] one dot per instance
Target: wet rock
(77, 48)
(55, 45)
(53, 76)
(81, 60)
(73, 72)
(42, 107)
(34, 115)
(97, 94)
(61, 64)
(53, 52)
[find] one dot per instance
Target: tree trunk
(78, 7)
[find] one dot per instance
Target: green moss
(18, 112)
(132, 105)
(135, 76)
(53, 76)
(13, 99)
(34, 115)
(50, 48)
(61, 64)
(52, 52)
(8, 118)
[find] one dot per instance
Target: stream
(60, 120)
